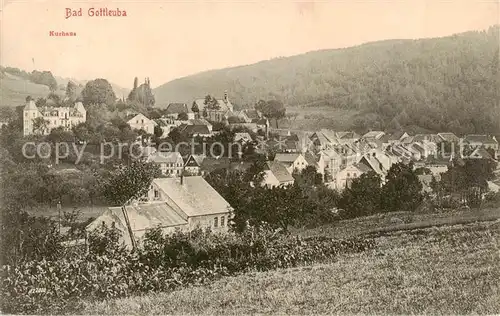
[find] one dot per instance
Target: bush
(160, 263)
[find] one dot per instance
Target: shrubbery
(161, 263)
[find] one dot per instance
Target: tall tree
(71, 91)
(272, 109)
(129, 182)
(40, 125)
(98, 91)
(402, 190)
(362, 198)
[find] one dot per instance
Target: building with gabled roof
(171, 204)
(449, 137)
(141, 218)
(344, 177)
(292, 161)
(170, 163)
(195, 130)
(224, 110)
(174, 109)
(192, 164)
(276, 174)
(374, 135)
(486, 141)
(141, 122)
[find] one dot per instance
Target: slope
(447, 83)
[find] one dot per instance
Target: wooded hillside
(438, 84)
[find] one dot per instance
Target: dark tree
(98, 91)
(129, 182)
(182, 116)
(402, 190)
(272, 109)
(362, 198)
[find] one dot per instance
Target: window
(137, 121)
(222, 221)
(216, 222)
(348, 174)
(26, 114)
(157, 194)
(142, 121)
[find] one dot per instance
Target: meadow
(313, 118)
(446, 270)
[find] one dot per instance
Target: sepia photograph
(270, 157)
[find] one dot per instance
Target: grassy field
(14, 91)
(315, 118)
(446, 270)
(387, 222)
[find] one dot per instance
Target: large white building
(42, 120)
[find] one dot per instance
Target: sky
(164, 40)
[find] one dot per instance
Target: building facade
(44, 119)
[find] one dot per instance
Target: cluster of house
(193, 124)
(183, 200)
(343, 156)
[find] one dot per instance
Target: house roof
(30, 106)
(210, 164)
(373, 134)
(449, 137)
(242, 136)
(392, 137)
(261, 121)
(195, 197)
(484, 139)
(194, 129)
(480, 153)
(331, 136)
(199, 122)
(161, 122)
(286, 157)
(279, 171)
(310, 158)
(426, 137)
(176, 108)
(166, 157)
(373, 163)
(348, 135)
(194, 160)
(141, 217)
(320, 139)
(79, 107)
(252, 114)
(133, 117)
(331, 153)
(362, 167)
(235, 120)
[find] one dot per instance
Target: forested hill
(448, 83)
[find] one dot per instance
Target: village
(182, 200)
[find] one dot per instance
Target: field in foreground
(447, 270)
